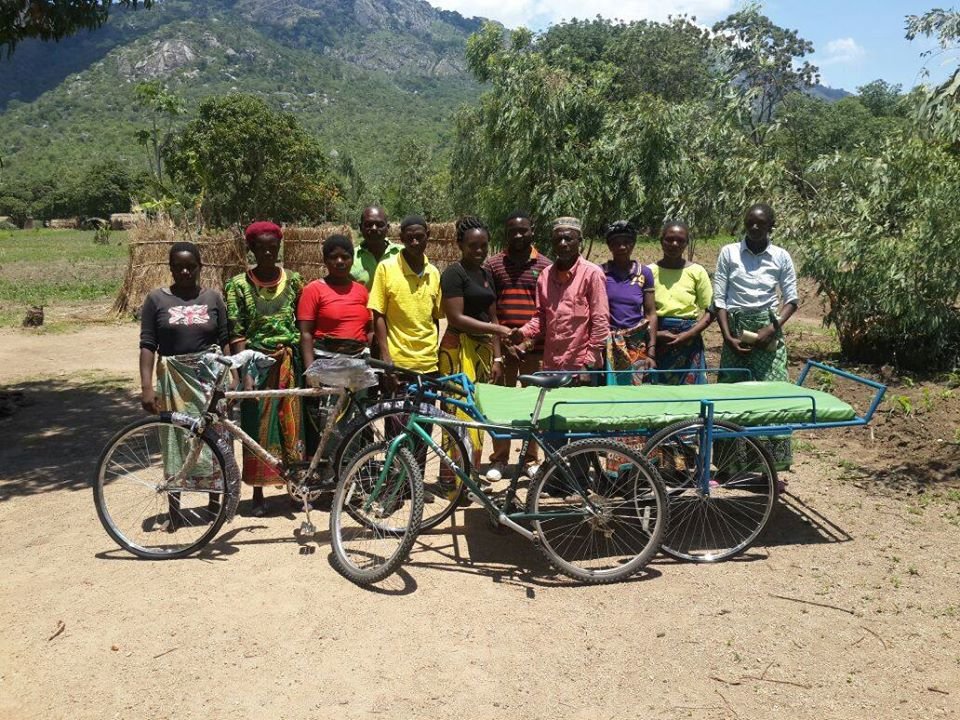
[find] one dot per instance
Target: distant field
(59, 269)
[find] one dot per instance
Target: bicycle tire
(131, 479)
(442, 492)
(743, 491)
(356, 548)
(630, 503)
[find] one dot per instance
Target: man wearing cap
(572, 313)
(405, 300)
(374, 248)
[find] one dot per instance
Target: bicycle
(164, 486)
(597, 509)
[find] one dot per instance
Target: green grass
(57, 267)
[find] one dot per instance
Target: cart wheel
(707, 525)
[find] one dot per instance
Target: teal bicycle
(595, 508)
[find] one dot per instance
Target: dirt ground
(848, 608)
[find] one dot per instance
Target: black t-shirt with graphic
(172, 326)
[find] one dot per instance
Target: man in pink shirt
(572, 312)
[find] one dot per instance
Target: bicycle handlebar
(446, 386)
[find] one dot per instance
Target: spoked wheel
(725, 518)
(605, 521)
(160, 490)
(376, 514)
(441, 488)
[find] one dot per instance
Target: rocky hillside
(367, 76)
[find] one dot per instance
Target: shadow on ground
(54, 440)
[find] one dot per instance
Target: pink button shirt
(572, 316)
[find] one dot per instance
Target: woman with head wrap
(632, 343)
(177, 325)
(261, 307)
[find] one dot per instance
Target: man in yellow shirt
(405, 300)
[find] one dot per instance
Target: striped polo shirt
(516, 287)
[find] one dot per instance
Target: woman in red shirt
(332, 315)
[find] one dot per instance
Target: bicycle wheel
(372, 529)
(160, 489)
(731, 515)
(441, 488)
(609, 510)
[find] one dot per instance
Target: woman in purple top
(632, 344)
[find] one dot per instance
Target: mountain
(367, 76)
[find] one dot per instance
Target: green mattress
(650, 407)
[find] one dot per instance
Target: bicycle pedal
(307, 528)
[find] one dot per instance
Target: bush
(882, 240)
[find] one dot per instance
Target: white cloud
(538, 14)
(841, 51)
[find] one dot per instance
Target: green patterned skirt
(765, 365)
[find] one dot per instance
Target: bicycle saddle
(550, 382)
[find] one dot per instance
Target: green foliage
(880, 237)
(558, 134)
(247, 161)
(413, 188)
(22, 19)
(163, 108)
(939, 109)
(882, 99)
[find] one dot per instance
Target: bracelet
(499, 360)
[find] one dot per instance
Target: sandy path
(474, 626)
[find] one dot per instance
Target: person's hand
(496, 373)
(148, 401)
(665, 336)
(503, 330)
(678, 339)
(516, 336)
(651, 363)
(248, 383)
(765, 335)
(737, 346)
(511, 350)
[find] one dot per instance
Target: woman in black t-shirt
(471, 343)
(179, 323)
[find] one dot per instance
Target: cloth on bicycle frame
(180, 388)
(612, 408)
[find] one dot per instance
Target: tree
(244, 161)
(413, 187)
(881, 98)
(763, 63)
(164, 107)
(939, 109)
(22, 19)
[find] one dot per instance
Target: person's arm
(534, 327)
(496, 367)
(599, 316)
(148, 396)
(236, 318)
(790, 297)
(306, 341)
(453, 309)
(148, 349)
(380, 332)
(650, 313)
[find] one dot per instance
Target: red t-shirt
(337, 311)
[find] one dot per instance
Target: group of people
(510, 314)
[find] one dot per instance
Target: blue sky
(856, 41)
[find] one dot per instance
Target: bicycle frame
(415, 427)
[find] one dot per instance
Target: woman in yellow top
(683, 292)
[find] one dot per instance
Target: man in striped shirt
(515, 272)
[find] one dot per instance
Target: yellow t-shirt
(410, 304)
(684, 293)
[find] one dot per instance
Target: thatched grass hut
(224, 255)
